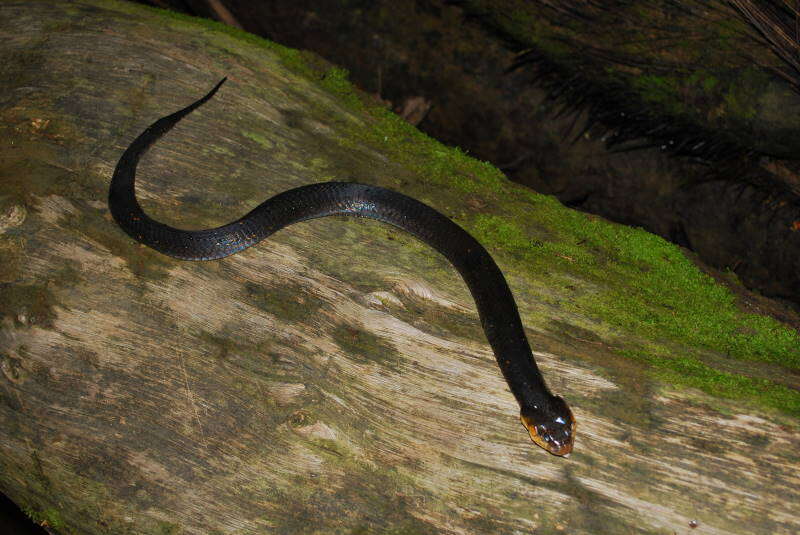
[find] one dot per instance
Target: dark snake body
(547, 417)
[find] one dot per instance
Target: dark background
(15, 522)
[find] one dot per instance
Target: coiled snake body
(547, 417)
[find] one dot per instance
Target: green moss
(259, 139)
(49, 518)
(430, 159)
(496, 229)
(336, 81)
(688, 371)
(674, 299)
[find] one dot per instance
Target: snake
(547, 417)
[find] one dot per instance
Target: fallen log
(335, 378)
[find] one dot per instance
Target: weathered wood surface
(332, 380)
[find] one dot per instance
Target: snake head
(551, 426)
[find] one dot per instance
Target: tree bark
(331, 380)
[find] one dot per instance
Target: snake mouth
(557, 441)
(561, 450)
